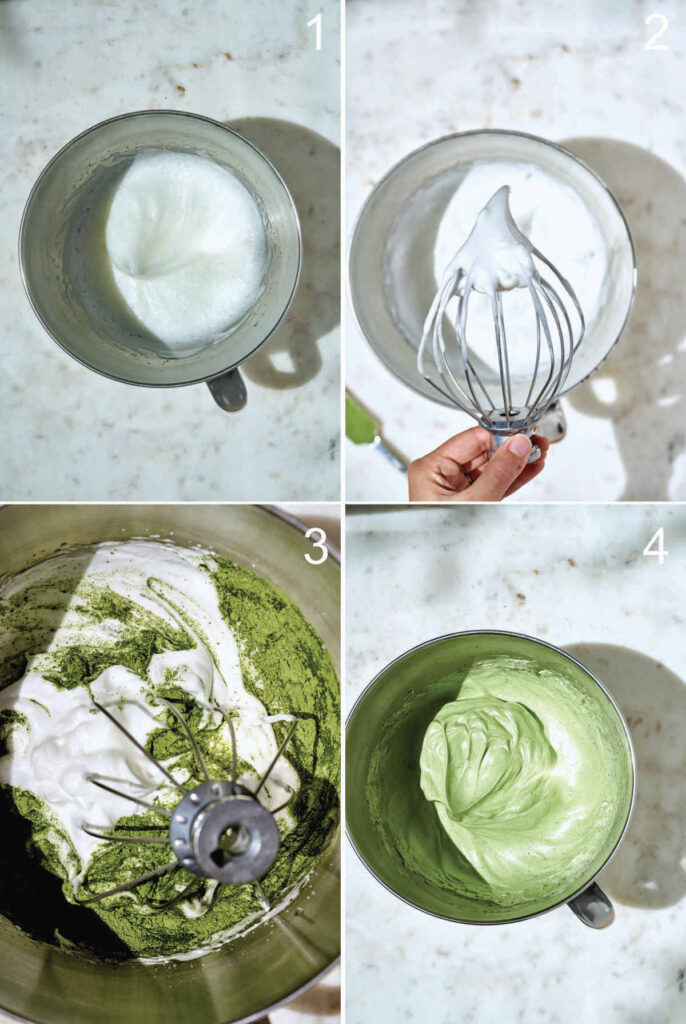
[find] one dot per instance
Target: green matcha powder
(283, 663)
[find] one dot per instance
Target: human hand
(463, 469)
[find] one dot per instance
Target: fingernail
(520, 445)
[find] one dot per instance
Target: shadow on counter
(645, 376)
(310, 166)
(649, 868)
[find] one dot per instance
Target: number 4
(659, 552)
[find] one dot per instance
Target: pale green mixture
(518, 780)
(512, 792)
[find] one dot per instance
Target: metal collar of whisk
(220, 830)
(492, 404)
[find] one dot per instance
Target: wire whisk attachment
(218, 830)
(496, 258)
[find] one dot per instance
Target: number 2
(659, 551)
(664, 25)
(317, 23)
(320, 543)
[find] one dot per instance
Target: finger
(467, 445)
(447, 476)
(499, 474)
(440, 474)
(435, 480)
(473, 465)
(527, 476)
(476, 467)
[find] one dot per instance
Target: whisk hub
(219, 830)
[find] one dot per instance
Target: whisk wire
(276, 757)
(217, 894)
(552, 296)
(570, 292)
(500, 345)
(442, 360)
(189, 735)
(141, 748)
(536, 364)
(179, 898)
(119, 837)
(234, 749)
(97, 781)
(470, 372)
(555, 387)
(125, 886)
(540, 318)
(506, 357)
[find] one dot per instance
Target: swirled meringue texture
(187, 247)
(505, 799)
(517, 782)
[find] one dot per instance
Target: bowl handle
(229, 390)
(593, 907)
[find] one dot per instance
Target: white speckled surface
(68, 434)
(576, 577)
(577, 76)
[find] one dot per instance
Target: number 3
(320, 543)
(664, 25)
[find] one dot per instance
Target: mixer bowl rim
(288, 517)
(58, 156)
(415, 386)
(301, 527)
(568, 657)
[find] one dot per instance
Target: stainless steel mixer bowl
(257, 971)
(392, 282)
(415, 685)
(112, 344)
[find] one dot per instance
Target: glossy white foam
(187, 246)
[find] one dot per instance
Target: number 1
(317, 22)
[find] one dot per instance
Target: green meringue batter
(513, 768)
(522, 785)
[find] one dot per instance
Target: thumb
(502, 470)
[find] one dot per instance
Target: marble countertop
(575, 577)
(416, 72)
(69, 434)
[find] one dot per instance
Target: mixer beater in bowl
(498, 376)
(218, 830)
